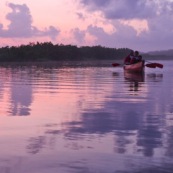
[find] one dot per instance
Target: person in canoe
(129, 58)
(136, 58)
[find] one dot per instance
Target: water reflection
(36, 144)
(129, 123)
(18, 84)
(150, 135)
(17, 89)
(155, 77)
(135, 79)
(87, 119)
(21, 99)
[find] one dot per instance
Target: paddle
(115, 64)
(151, 65)
(159, 65)
(156, 64)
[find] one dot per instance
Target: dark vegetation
(35, 52)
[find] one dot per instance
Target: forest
(49, 52)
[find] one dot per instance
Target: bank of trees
(48, 51)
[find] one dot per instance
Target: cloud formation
(136, 24)
(158, 15)
(21, 24)
(79, 35)
(125, 9)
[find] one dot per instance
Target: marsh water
(85, 119)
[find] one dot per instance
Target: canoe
(137, 67)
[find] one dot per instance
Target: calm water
(86, 120)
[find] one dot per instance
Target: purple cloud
(126, 36)
(126, 9)
(96, 3)
(115, 39)
(21, 24)
(158, 15)
(122, 9)
(80, 16)
(79, 35)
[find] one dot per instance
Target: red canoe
(137, 67)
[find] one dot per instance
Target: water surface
(73, 119)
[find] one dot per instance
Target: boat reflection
(155, 77)
(135, 79)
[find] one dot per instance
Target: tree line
(48, 51)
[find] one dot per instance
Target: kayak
(137, 67)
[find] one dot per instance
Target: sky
(143, 25)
